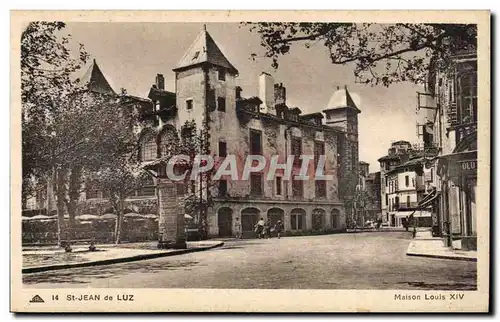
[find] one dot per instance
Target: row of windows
(296, 146)
(256, 187)
(395, 204)
(211, 100)
(149, 149)
(393, 184)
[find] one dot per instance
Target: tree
(47, 63)
(118, 180)
(67, 129)
(94, 132)
(382, 53)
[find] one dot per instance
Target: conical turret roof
(341, 98)
(204, 50)
(96, 81)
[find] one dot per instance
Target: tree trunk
(60, 188)
(74, 196)
(119, 223)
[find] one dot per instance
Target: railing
(404, 206)
(464, 129)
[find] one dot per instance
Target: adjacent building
(452, 114)
(396, 155)
(407, 185)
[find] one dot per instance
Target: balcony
(405, 206)
(420, 183)
(465, 129)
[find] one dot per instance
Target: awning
(428, 200)
(429, 196)
(416, 214)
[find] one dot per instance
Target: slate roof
(341, 98)
(204, 50)
(96, 81)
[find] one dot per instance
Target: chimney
(266, 93)
(160, 82)
(279, 94)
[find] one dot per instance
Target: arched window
(168, 140)
(147, 187)
(148, 147)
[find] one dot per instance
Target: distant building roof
(363, 162)
(412, 163)
(204, 50)
(388, 157)
(296, 109)
(401, 142)
(96, 81)
(312, 115)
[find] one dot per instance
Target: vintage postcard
(233, 161)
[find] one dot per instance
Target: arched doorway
(335, 218)
(298, 219)
(249, 218)
(274, 214)
(225, 222)
(318, 219)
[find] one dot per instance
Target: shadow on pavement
(85, 275)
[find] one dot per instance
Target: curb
(467, 259)
(118, 260)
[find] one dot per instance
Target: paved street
(372, 260)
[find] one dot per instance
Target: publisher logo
(37, 299)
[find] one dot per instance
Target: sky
(131, 54)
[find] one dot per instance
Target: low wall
(133, 230)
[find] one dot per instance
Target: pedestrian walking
(267, 228)
(259, 228)
(278, 228)
(237, 228)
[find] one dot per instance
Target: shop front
(429, 205)
(458, 203)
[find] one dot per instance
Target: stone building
(206, 94)
(373, 206)
(342, 113)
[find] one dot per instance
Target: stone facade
(206, 92)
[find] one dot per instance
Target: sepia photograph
(246, 154)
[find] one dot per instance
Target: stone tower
(342, 113)
(206, 92)
(204, 81)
